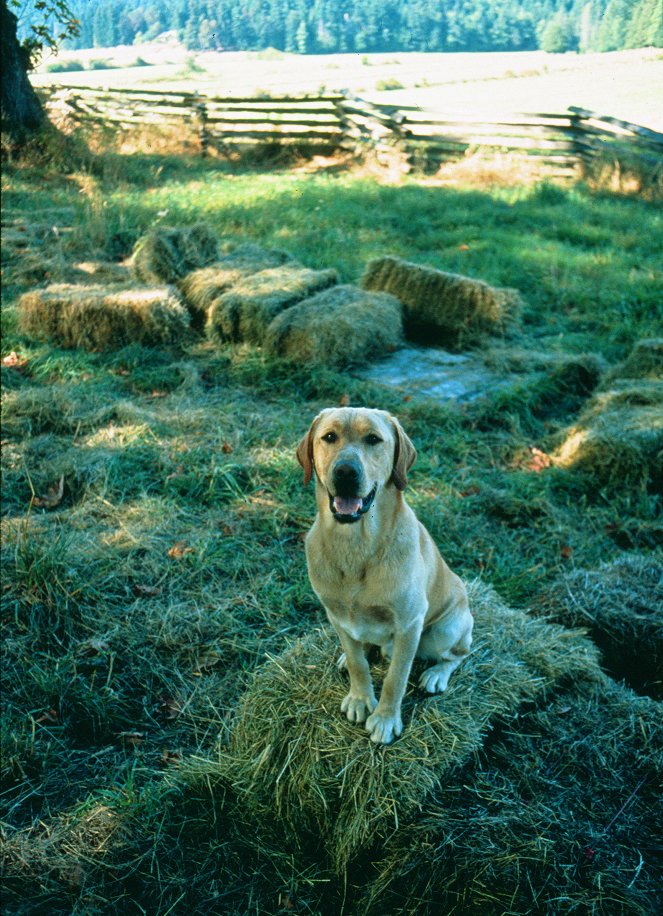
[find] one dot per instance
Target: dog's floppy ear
(405, 455)
(305, 451)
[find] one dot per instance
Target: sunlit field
(625, 84)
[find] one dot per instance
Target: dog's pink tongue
(346, 506)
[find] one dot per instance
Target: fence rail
(325, 123)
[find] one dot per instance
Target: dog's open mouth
(347, 509)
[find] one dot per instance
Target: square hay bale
(103, 318)
(340, 327)
(296, 761)
(441, 307)
(165, 255)
(621, 604)
(201, 287)
(245, 312)
(559, 814)
(619, 436)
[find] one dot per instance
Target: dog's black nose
(346, 478)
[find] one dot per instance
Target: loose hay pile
(560, 814)
(100, 318)
(644, 361)
(246, 311)
(340, 327)
(201, 287)
(441, 307)
(296, 760)
(168, 255)
(619, 436)
(621, 604)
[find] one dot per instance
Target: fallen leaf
(538, 461)
(146, 591)
(93, 646)
(168, 708)
(566, 552)
(50, 717)
(133, 739)
(178, 550)
(205, 662)
(14, 360)
(53, 496)
(226, 447)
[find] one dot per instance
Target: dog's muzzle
(349, 509)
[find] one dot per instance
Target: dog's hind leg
(436, 678)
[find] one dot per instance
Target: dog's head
(355, 452)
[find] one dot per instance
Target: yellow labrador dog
(374, 566)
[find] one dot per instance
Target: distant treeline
(364, 26)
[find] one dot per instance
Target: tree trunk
(22, 113)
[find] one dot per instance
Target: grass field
(624, 84)
(153, 512)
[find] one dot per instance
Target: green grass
(135, 610)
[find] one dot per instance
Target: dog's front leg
(385, 723)
(361, 700)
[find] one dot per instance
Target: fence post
(575, 120)
(200, 118)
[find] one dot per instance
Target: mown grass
(136, 607)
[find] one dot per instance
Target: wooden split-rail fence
(327, 123)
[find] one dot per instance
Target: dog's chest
(360, 609)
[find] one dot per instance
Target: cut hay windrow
(166, 255)
(621, 604)
(644, 361)
(618, 438)
(295, 759)
(100, 318)
(441, 307)
(561, 813)
(340, 327)
(201, 287)
(245, 312)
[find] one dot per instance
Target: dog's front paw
(383, 728)
(357, 708)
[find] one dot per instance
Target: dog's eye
(330, 437)
(372, 439)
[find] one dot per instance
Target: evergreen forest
(369, 26)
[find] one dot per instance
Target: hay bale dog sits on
(374, 566)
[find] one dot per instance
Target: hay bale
(644, 361)
(165, 255)
(442, 307)
(101, 318)
(621, 604)
(245, 312)
(619, 436)
(560, 814)
(340, 327)
(295, 759)
(201, 287)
